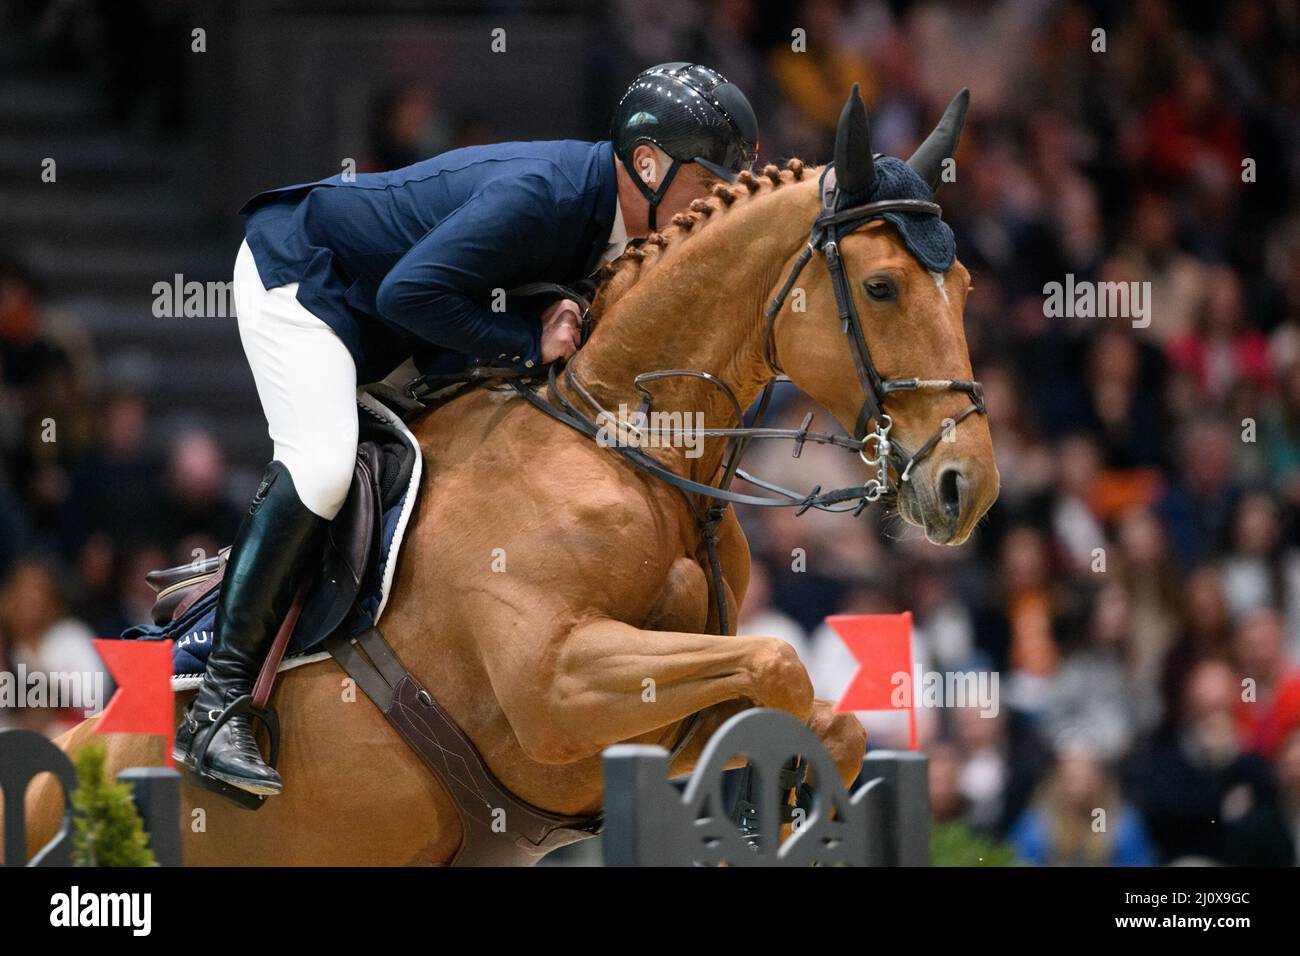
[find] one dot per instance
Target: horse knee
(780, 679)
(844, 738)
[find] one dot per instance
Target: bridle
(830, 226)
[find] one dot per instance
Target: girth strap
(482, 803)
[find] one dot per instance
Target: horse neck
(700, 306)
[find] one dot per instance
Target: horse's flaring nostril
(951, 485)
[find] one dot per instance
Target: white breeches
(307, 383)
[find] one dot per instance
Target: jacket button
(528, 364)
(515, 359)
(502, 355)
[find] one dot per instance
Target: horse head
(905, 292)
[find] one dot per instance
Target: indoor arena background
(1142, 565)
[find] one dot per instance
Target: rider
(339, 282)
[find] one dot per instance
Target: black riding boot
(276, 539)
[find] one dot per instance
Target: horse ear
(927, 161)
(855, 167)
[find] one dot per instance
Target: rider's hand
(561, 330)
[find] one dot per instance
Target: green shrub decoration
(108, 828)
(955, 844)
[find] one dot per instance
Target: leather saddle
(349, 560)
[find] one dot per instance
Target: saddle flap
(351, 548)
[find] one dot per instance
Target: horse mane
(615, 278)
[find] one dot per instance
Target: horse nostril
(951, 485)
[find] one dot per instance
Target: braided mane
(615, 278)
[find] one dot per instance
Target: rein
(568, 413)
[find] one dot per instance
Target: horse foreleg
(608, 682)
(843, 736)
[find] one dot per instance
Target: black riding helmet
(694, 115)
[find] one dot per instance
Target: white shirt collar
(617, 236)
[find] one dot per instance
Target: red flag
(882, 645)
(143, 701)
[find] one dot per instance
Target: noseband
(830, 226)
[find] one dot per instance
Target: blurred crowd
(1137, 586)
(92, 495)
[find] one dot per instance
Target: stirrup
(202, 777)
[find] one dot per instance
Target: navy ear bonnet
(928, 238)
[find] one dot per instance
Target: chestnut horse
(554, 599)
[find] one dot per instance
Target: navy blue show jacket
(406, 262)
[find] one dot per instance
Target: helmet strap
(652, 195)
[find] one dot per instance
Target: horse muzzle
(946, 499)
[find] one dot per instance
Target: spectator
(1078, 527)
(947, 802)
(1281, 438)
(1123, 383)
(42, 637)
(26, 349)
(1199, 507)
(1260, 571)
(1189, 132)
(1222, 350)
(1155, 590)
(1177, 280)
(1268, 709)
(1019, 628)
(408, 127)
(1203, 798)
(1025, 462)
(1078, 819)
(1002, 763)
(1207, 626)
(1096, 701)
(116, 482)
(813, 79)
(196, 517)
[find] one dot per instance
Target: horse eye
(879, 289)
